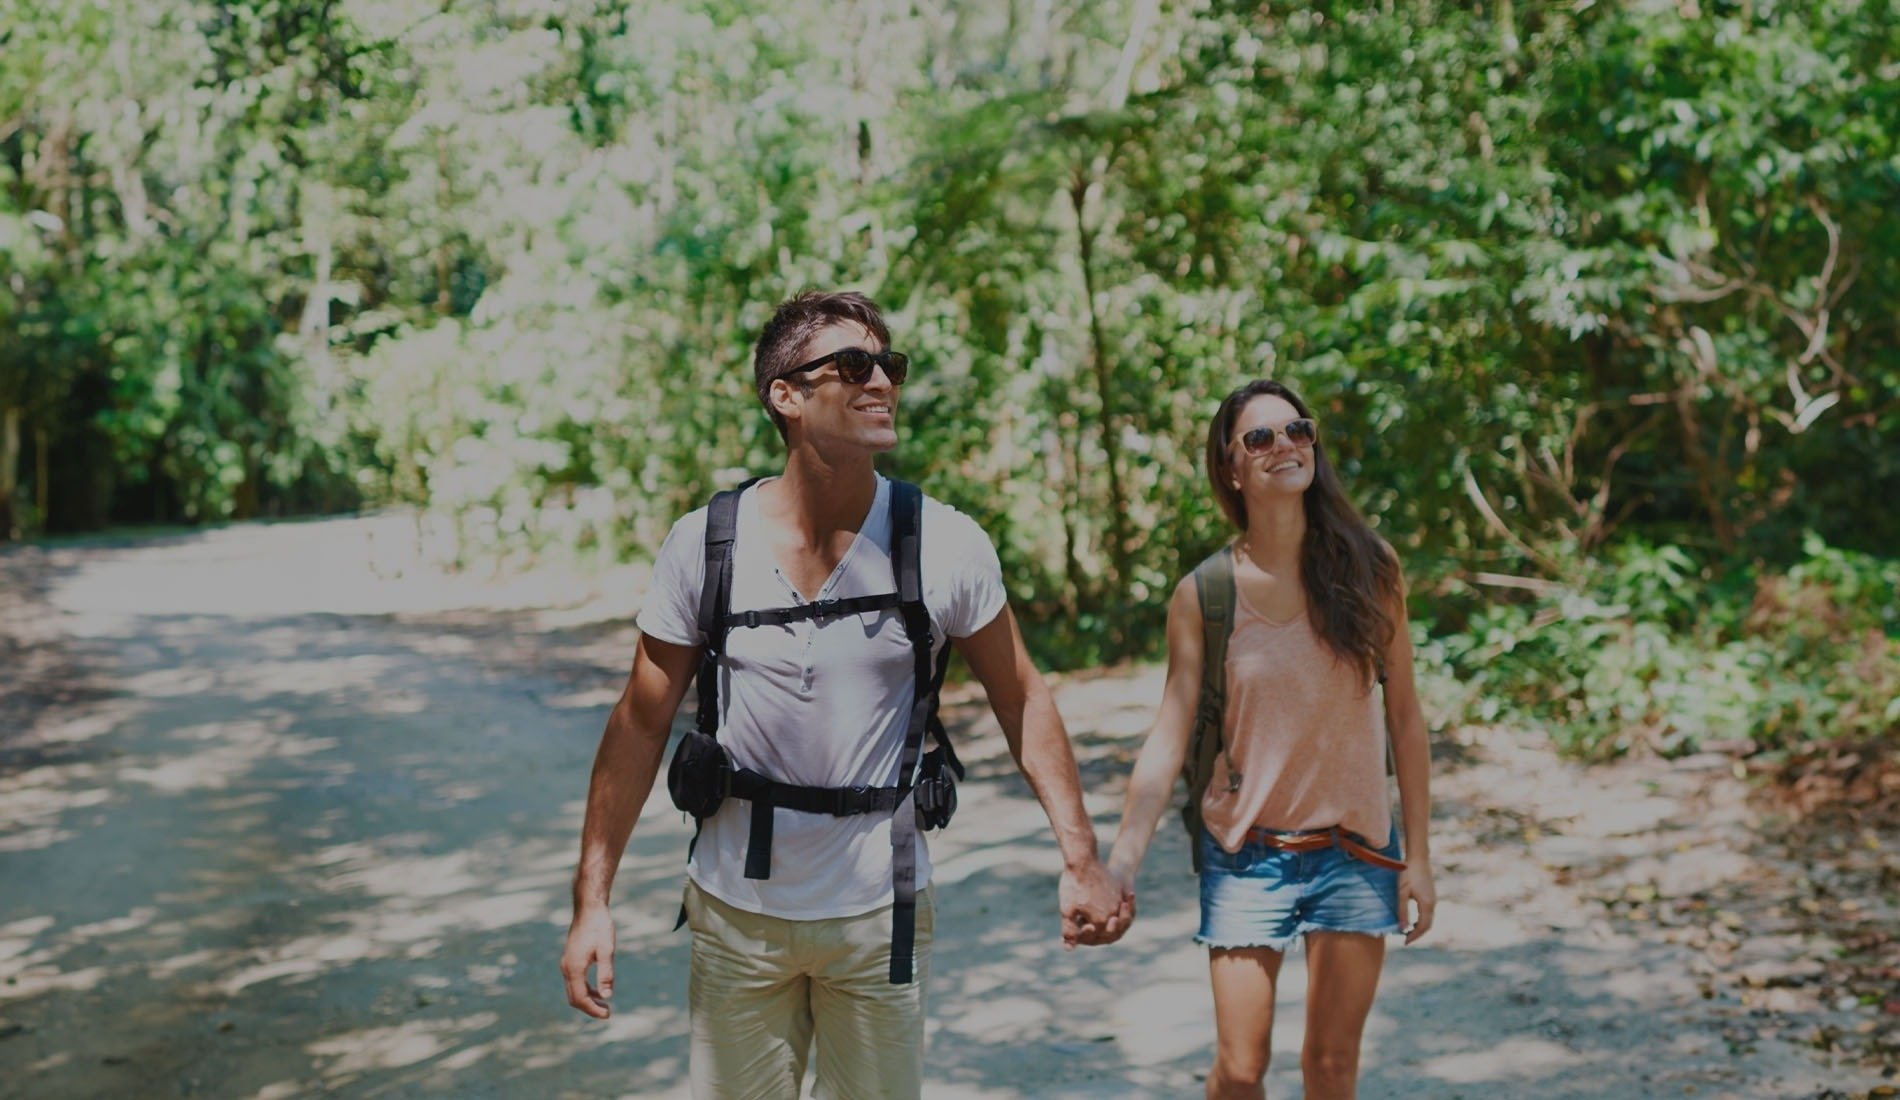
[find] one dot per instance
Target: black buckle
(750, 619)
(850, 801)
(825, 609)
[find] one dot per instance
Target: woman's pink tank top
(1305, 732)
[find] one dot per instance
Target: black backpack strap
(937, 731)
(715, 598)
(907, 503)
(1214, 585)
(715, 602)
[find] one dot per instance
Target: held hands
(1417, 893)
(1097, 905)
(590, 942)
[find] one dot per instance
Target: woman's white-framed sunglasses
(1301, 433)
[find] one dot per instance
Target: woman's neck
(1275, 535)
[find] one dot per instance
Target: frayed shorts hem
(1282, 944)
(1384, 930)
(1279, 945)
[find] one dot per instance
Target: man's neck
(817, 497)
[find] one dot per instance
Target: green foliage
(149, 190)
(1598, 297)
(1648, 653)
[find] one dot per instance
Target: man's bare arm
(624, 768)
(1091, 899)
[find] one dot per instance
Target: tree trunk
(42, 496)
(9, 472)
(1706, 478)
(1110, 424)
(245, 498)
(444, 272)
(1145, 13)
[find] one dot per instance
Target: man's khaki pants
(762, 988)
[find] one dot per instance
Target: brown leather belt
(1350, 843)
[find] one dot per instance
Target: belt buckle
(845, 796)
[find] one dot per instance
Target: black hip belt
(702, 776)
(836, 801)
(767, 795)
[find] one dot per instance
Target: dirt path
(283, 813)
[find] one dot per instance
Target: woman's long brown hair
(1350, 577)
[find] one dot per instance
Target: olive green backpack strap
(1214, 584)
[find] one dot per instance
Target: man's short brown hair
(792, 326)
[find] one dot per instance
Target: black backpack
(1214, 584)
(701, 775)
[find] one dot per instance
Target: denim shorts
(1262, 896)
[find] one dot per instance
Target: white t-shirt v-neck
(819, 704)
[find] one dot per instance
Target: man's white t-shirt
(819, 704)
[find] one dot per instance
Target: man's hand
(1417, 891)
(1097, 907)
(590, 943)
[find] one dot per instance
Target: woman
(1298, 838)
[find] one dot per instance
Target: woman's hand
(1418, 899)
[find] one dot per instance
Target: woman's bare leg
(1342, 976)
(1244, 980)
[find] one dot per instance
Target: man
(814, 937)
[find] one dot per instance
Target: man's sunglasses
(855, 365)
(1300, 433)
